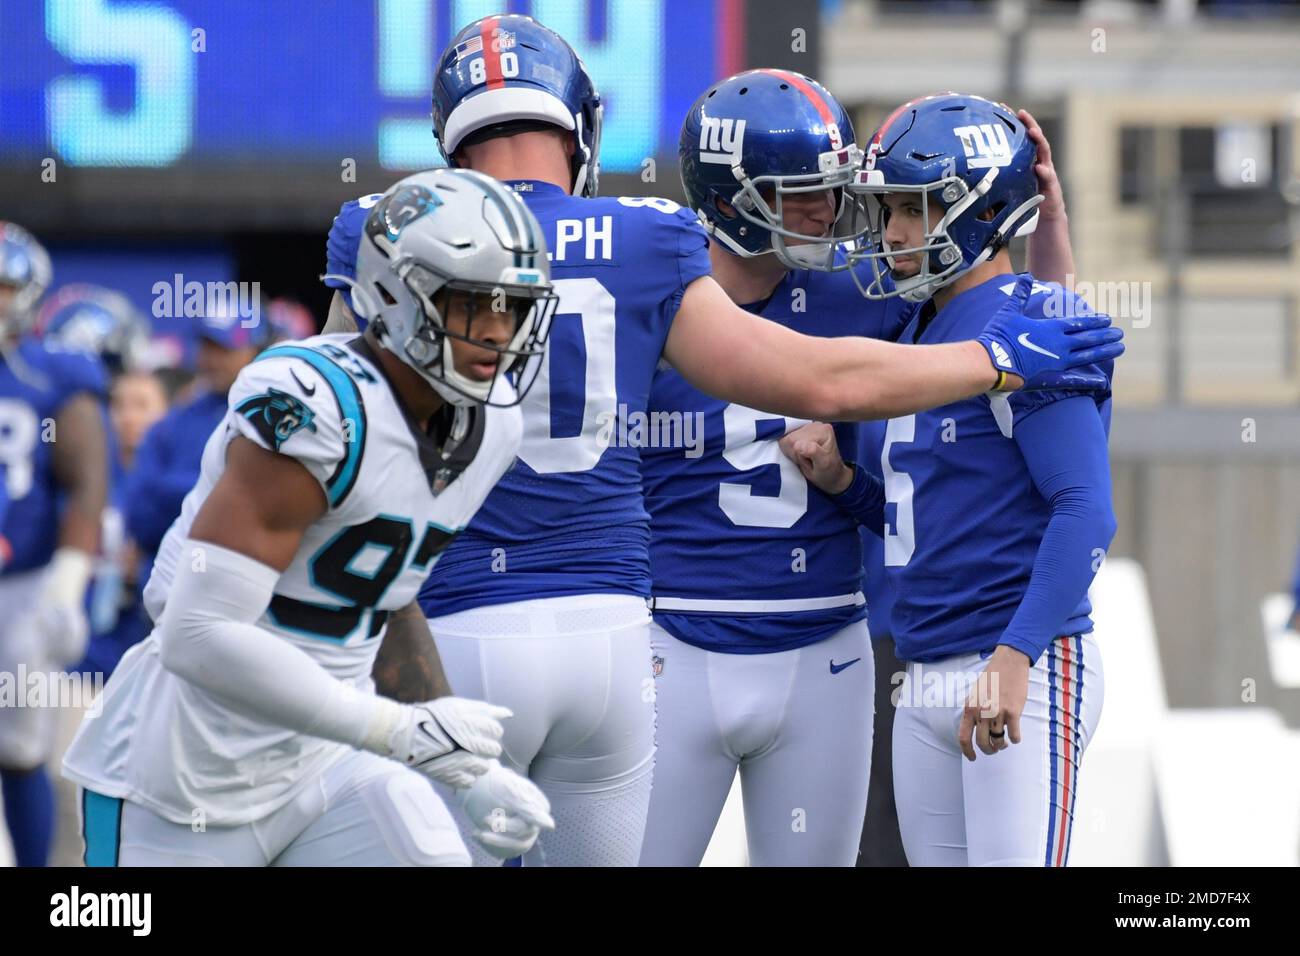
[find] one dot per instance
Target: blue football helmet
(99, 321)
(971, 157)
(25, 269)
(758, 137)
(509, 73)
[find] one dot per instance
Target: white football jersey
(396, 499)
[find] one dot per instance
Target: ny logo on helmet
(721, 140)
(985, 145)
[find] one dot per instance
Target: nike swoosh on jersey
(309, 392)
(836, 668)
(1024, 340)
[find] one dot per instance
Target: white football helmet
(456, 230)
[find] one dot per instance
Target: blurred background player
(167, 461)
(1000, 510)
(541, 604)
(105, 324)
(760, 637)
(53, 448)
(343, 468)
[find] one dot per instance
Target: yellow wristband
(1002, 380)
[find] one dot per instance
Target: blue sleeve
(156, 486)
(864, 500)
(1064, 447)
(687, 242)
(80, 372)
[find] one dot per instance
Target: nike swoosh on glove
(451, 739)
(1049, 352)
(508, 812)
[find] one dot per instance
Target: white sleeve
(287, 404)
(207, 636)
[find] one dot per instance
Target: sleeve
(1064, 448)
(670, 233)
(306, 407)
(208, 635)
(345, 240)
(864, 500)
(81, 372)
(155, 487)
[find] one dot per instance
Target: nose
(894, 232)
(495, 327)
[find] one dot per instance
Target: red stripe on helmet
(491, 55)
(807, 89)
(880, 133)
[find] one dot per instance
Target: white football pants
(1014, 808)
(576, 673)
(796, 723)
(364, 810)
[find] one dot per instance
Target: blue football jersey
(36, 380)
(963, 517)
(569, 517)
(746, 557)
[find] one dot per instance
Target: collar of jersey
(926, 316)
(535, 186)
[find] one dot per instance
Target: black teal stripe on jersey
(351, 409)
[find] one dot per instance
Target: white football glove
(58, 617)
(507, 811)
(451, 740)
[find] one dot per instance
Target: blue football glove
(1050, 352)
(344, 241)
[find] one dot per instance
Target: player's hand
(451, 739)
(995, 703)
(1049, 184)
(1047, 353)
(813, 448)
(508, 812)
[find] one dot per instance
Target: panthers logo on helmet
(277, 416)
(399, 210)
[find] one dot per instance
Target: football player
(760, 639)
(995, 509)
(244, 730)
(53, 450)
(541, 605)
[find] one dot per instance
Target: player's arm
(80, 461)
(1049, 254)
(79, 458)
(407, 667)
(732, 354)
(1064, 447)
(244, 536)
